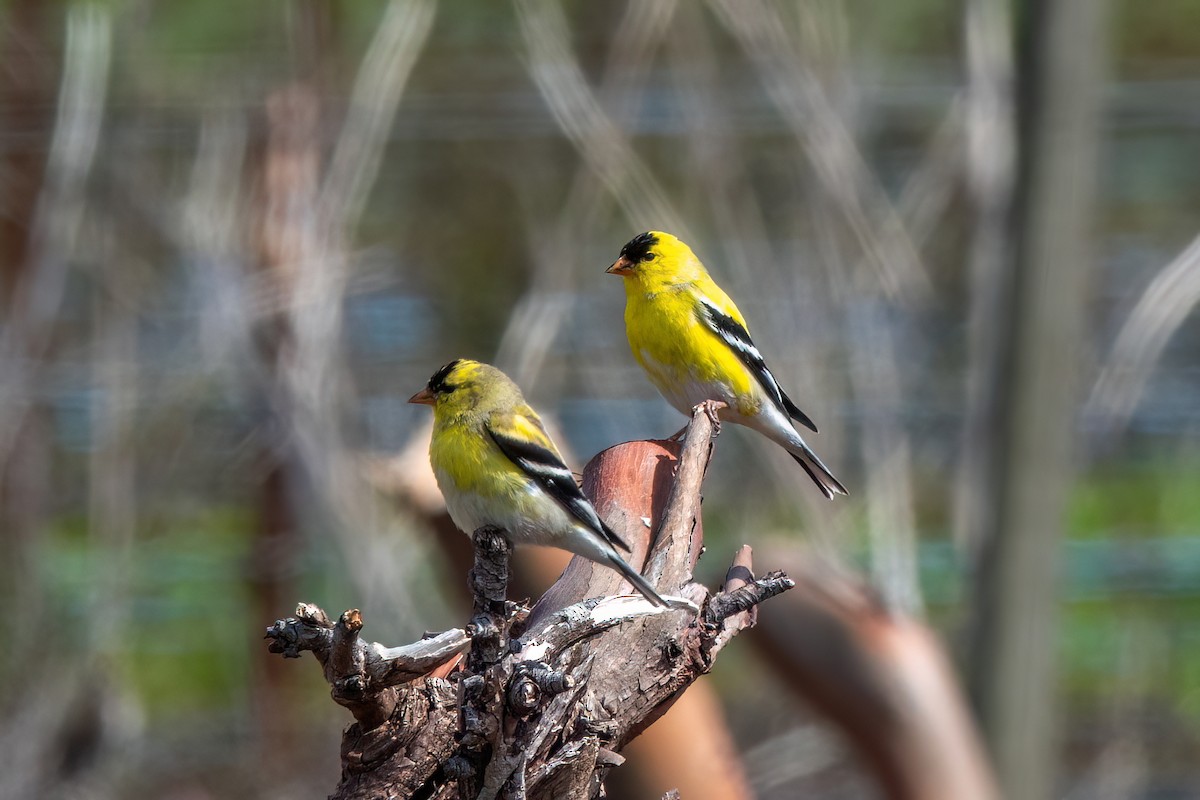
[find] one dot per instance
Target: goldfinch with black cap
(496, 466)
(694, 345)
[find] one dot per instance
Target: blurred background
(235, 237)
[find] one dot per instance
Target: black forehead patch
(437, 384)
(639, 245)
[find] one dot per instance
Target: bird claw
(712, 409)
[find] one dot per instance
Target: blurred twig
(112, 471)
(991, 182)
(929, 190)
(376, 95)
(1164, 305)
(806, 106)
(208, 227)
(875, 378)
(533, 325)
(718, 165)
(559, 77)
(320, 269)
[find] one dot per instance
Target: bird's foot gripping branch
(537, 702)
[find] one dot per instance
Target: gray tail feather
(820, 473)
(635, 577)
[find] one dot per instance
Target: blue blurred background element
(237, 236)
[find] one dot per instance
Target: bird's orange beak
(623, 266)
(423, 397)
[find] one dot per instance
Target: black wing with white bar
(735, 335)
(547, 470)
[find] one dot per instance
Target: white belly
(535, 518)
(686, 394)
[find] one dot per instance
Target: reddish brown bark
(880, 677)
(26, 95)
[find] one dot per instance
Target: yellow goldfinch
(496, 466)
(693, 343)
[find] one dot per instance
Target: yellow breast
(472, 463)
(676, 348)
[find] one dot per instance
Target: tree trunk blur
(288, 185)
(26, 93)
(51, 705)
(1029, 377)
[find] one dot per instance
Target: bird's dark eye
(649, 257)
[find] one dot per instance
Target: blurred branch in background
(891, 520)
(599, 140)
(1032, 376)
(990, 182)
(283, 237)
(879, 677)
(113, 462)
(718, 164)
(23, 477)
(46, 697)
(806, 106)
(308, 216)
(605, 171)
(58, 215)
(1164, 305)
(316, 381)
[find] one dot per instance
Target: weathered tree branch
(362, 675)
(546, 698)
